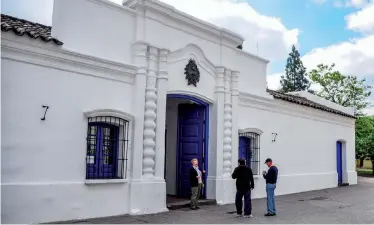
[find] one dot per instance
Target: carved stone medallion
(192, 73)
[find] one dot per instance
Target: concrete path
(351, 204)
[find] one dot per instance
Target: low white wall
(304, 149)
(43, 162)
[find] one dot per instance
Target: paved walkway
(351, 204)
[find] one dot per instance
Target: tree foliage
(295, 78)
(365, 138)
(348, 91)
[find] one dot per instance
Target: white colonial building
(102, 112)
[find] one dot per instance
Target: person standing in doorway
(244, 185)
(271, 177)
(196, 182)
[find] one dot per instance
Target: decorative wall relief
(192, 73)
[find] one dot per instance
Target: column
(227, 125)
(140, 60)
(149, 143)
(219, 110)
(162, 82)
(235, 115)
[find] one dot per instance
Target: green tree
(364, 129)
(348, 91)
(295, 78)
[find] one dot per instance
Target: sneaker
(239, 215)
(270, 214)
(248, 216)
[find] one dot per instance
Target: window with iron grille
(107, 146)
(249, 149)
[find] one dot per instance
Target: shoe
(197, 207)
(193, 208)
(239, 215)
(248, 216)
(270, 214)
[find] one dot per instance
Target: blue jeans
(270, 197)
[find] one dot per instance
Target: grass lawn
(365, 172)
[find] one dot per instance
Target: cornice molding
(179, 16)
(47, 55)
(115, 6)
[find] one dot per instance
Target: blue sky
(324, 31)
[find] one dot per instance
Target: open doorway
(186, 134)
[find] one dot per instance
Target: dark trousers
(247, 202)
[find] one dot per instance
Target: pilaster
(215, 157)
(151, 184)
(149, 135)
(234, 113)
(227, 125)
(162, 82)
(219, 110)
(140, 60)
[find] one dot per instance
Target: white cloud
(345, 3)
(357, 3)
(274, 40)
(362, 20)
(369, 111)
(273, 81)
(354, 57)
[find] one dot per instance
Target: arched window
(107, 147)
(249, 149)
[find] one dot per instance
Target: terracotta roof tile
(305, 102)
(21, 27)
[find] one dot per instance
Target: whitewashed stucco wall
(95, 27)
(305, 146)
(43, 162)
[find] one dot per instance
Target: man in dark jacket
(196, 182)
(271, 177)
(244, 185)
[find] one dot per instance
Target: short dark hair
(241, 161)
(268, 160)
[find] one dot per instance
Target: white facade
(124, 61)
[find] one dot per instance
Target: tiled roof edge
(31, 29)
(306, 102)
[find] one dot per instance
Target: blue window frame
(249, 149)
(107, 145)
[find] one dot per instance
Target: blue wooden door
(191, 120)
(245, 150)
(339, 166)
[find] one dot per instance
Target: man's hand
(197, 177)
(204, 171)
